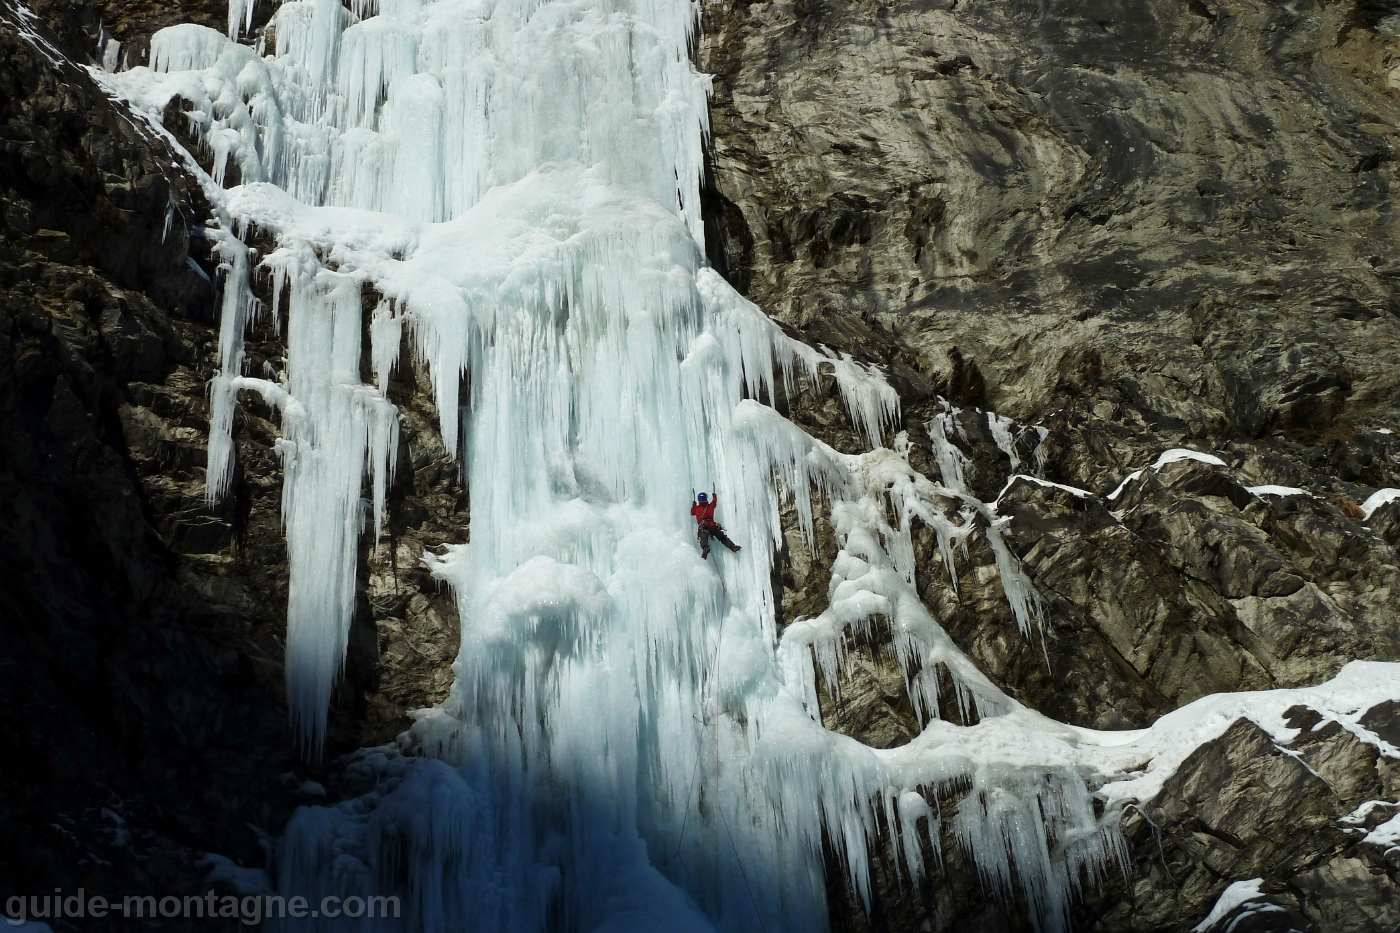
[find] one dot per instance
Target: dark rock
(1261, 915)
(140, 737)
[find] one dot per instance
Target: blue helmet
(702, 498)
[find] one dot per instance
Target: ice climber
(704, 512)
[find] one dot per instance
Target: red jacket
(704, 512)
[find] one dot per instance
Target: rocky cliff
(1143, 226)
(139, 734)
(1130, 227)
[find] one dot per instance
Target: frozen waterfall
(510, 187)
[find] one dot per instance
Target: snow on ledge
(1262, 491)
(1358, 816)
(1236, 894)
(1379, 498)
(1123, 485)
(1177, 454)
(1145, 758)
(223, 869)
(1387, 834)
(1072, 490)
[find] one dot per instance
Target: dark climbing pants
(705, 533)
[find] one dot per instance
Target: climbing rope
(719, 804)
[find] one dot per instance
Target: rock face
(1141, 226)
(138, 736)
(1131, 227)
(1163, 217)
(1183, 584)
(1241, 807)
(1238, 808)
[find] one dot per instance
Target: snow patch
(1358, 816)
(1178, 454)
(1386, 835)
(1262, 491)
(1124, 485)
(1377, 499)
(223, 870)
(1072, 490)
(1238, 893)
(1175, 455)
